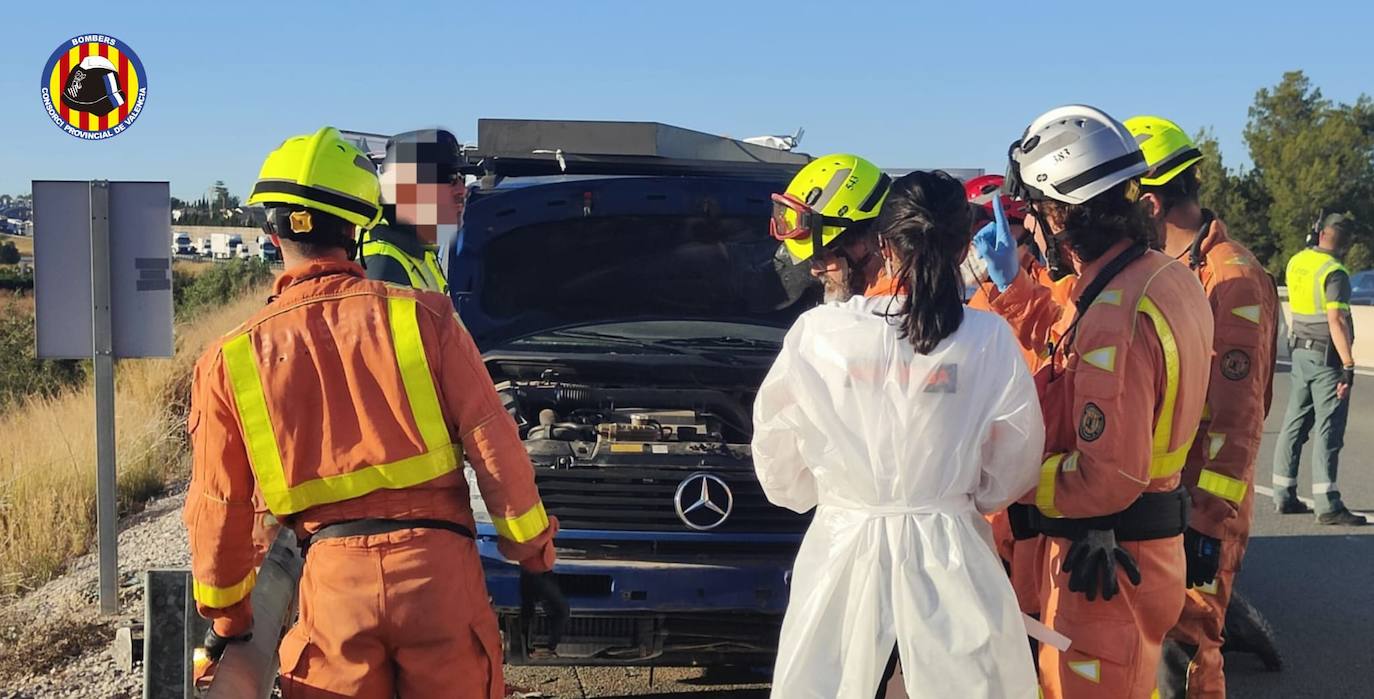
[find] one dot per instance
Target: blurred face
(421, 203)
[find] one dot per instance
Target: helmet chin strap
(1055, 264)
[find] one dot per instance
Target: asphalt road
(1315, 584)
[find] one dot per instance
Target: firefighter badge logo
(93, 87)
(1093, 423)
(1235, 365)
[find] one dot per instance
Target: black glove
(542, 588)
(1091, 563)
(1348, 375)
(215, 643)
(1204, 557)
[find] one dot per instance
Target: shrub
(9, 253)
(22, 374)
(194, 293)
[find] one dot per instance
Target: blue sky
(907, 84)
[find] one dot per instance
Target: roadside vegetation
(47, 434)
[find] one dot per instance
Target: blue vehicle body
(645, 589)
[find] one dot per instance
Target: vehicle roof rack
(533, 147)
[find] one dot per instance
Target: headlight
(479, 508)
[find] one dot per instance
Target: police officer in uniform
(1322, 338)
(422, 204)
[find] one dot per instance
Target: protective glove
(1346, 381)
(1204, 557)
(542, 588)
(997, 248)
(207, 657)
(1091, 565)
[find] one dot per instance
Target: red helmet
(981, 190)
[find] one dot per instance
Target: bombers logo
(93, 86)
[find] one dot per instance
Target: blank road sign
(140, 264)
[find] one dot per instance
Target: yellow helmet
(829, 195)
(1168, 148)
(324, 172)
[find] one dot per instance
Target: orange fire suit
(1122, 403)
(1220, 472)
(344, 399)
(1023, 556)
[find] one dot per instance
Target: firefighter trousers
(1116, 644)
(404, 613)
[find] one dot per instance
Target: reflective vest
(1307, 275)
(424, 272)
(292, 488)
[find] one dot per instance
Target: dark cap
(1340, 222)
(435, 151)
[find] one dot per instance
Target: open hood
(550, 252)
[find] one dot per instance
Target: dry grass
(47, 453)
(24, 243)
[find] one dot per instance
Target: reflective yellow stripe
(1337, 306)
(258, 434)
(1164, 463)
(1224, 487)
(414, 365)
(221, 597)
(436, 272)
(440, 455)
(1044, 495)
(1167, 465)
(523, 528)
(346, 486)
(425, 274)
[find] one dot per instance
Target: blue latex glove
(997, 248)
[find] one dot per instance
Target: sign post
(103, 290)
(102, 360)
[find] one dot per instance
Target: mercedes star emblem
(703, 501)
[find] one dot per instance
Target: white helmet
(1074, 153)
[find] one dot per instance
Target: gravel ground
(155, 538)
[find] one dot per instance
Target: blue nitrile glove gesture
(995, 245)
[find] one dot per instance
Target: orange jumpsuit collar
(314, 270)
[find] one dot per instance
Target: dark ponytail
(926, 221)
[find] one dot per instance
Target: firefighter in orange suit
(1122, 392)
(349, 407)
(1220, 472)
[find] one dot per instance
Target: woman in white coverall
(901, 419)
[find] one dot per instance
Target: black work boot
(1342, 517)
(1293, 507)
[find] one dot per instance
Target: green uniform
(392, 254)
(1317, 282)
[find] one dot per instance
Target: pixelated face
(424, 198)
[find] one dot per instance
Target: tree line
(1309, 155)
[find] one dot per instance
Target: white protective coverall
(899, 452)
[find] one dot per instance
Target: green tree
(1310, 154)
(9, 254)
(1237, 197)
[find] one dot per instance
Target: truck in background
(267, 250)
(181, 244)
(226, 246)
